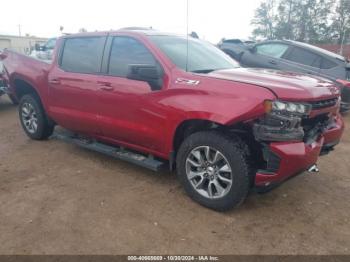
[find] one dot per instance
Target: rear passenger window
(82, 55)
(303, 57)
(275, 50)
(126, 51)
(327, 64)
(317, 62)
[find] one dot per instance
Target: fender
(40, 93)
(201, 105)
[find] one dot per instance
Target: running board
(114, 151)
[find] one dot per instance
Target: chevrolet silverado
(180, 101)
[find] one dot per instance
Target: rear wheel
(214, 170)
(33, 118)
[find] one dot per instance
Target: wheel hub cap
(209, 172)
(29, 118)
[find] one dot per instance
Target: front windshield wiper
(203, 71)
(207, 71)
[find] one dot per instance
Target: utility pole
(19, 30)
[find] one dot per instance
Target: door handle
(273, 62)
(106, 86)
(54, 81)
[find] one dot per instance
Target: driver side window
(274, 50)
(126, 51)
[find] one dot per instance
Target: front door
(129, 110)
(265, 55)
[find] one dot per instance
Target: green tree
(318, 20)
(302, 20)
(341, 21)
(265, 19)
(286, 19)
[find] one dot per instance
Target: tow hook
(313, 169)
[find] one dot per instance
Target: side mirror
(147, 73)
(252, 49)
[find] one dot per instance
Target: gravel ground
(56, 198)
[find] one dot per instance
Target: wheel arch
(234, 130)
(22, 86)
(190, 126)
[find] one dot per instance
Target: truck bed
(15, 62)
(29, 69)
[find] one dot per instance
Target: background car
(295, 56)
(44, 52)
(234, 47)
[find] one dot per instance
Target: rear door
(266, 55)
(303, 61)
(73, 84)
(335, 68)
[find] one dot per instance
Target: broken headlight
(282, 121)
(282, 107)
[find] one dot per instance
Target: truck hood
(285, 85)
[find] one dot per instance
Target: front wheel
(33, 118)
(214, 170)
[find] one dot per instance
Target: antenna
(187, 36)
(19, 30)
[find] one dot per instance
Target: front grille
(324, 103)
(313, 127)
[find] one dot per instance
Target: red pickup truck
(179, 101)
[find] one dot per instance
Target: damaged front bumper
(298, 152)
(278, 128)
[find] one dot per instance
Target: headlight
(287, 107)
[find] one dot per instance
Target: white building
(22, 44)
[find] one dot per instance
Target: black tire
(44, 127)
(235, 151)
(13, 99)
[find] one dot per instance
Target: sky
(211, 19)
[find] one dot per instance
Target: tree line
(311, 21)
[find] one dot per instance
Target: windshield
(203, 57)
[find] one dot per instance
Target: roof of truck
(131, 30)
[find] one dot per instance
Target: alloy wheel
(29, 117)
(209, 172)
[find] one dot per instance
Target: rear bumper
(296, 157)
